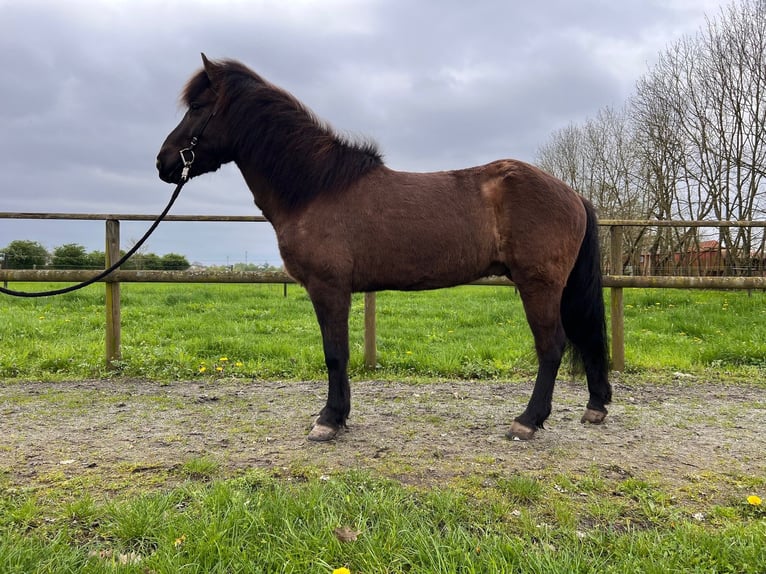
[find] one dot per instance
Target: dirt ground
(675, 431)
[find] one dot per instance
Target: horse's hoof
(322, 433)
(519, 431)
(593, 416)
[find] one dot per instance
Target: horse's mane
(300, 155)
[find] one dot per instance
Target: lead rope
(187, 156)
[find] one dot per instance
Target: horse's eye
(195, 106)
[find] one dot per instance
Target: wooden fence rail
(615, 282)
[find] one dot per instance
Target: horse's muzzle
(168, 174)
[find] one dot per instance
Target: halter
(187, 157)
(187, 153)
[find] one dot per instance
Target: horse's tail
(582, 310)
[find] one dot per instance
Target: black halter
(187, 154)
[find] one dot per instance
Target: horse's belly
(421, 264)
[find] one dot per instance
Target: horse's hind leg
(332, 309)
(541, 304)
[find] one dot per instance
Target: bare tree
(691, 143)
(599, 159)
(562, 156)
(700, 117)
(737, 82)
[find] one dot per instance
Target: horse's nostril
(158, 163)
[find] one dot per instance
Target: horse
(345, 222)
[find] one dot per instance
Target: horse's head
(197, 145)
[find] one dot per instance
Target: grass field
(183, 331)
(301, 520)
(261, 523)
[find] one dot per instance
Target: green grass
(265, 523)
(689, 330)
(252, 331)
(200, 468)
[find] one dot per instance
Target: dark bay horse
(347, 223)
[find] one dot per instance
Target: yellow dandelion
(408, 352)
(180, 540)
(219, 369)
(239, 364)
(343, 570)
(754, 500)
(223, 359)
(202, 368)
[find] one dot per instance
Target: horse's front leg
(332, 309)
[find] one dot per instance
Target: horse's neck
(264, 195)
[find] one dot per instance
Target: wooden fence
(615, 282)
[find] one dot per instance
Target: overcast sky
(89, 90)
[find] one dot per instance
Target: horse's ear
(210, 69)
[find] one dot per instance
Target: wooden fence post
(113, 352)
(618, 319)
(370, 346)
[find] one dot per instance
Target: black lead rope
(187, 157)
(112, 268)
